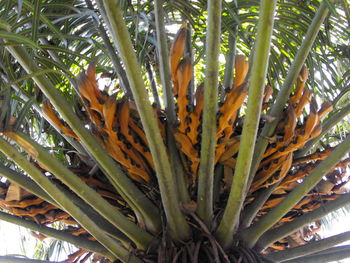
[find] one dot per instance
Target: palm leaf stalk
(23, 96)
(164, 62)
(332, 250)
(287, 87)
(140, 237)
(327, 125)
(111, 49)
(253, 233)
(206, 167)
(31, 186)
(170, 198)
(310, 248)
(251, 210)
(169, 100)
(329, 255)
(117, 177)
(230, 61)
(278, 233)
(25, 183)
(231, 53)
(256, 92)
(153, 85)
(113, 246)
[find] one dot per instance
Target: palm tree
(238, 171)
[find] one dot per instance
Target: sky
(17, 241)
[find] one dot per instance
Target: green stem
(111, 244)
(286, 229)
(169, 100)
(177, 167)
(310, 248)
(26, 183)
(283, 94)
(328, 124)
(110, 48)
(105, 225)
(152, 84)
(188, 52)
(61, 235)
(126, 188)
(256, 91)
(206, 166)
(230, 59)
(332, 250)
(251, 210)
(164, 67)
(141, 238)
(217, 184)
(253, 233)
(178, 226)
(333, 254)
(23, 96)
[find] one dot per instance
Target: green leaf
(19, 39)
(23, 113)
(46, 21)
(36, 18)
